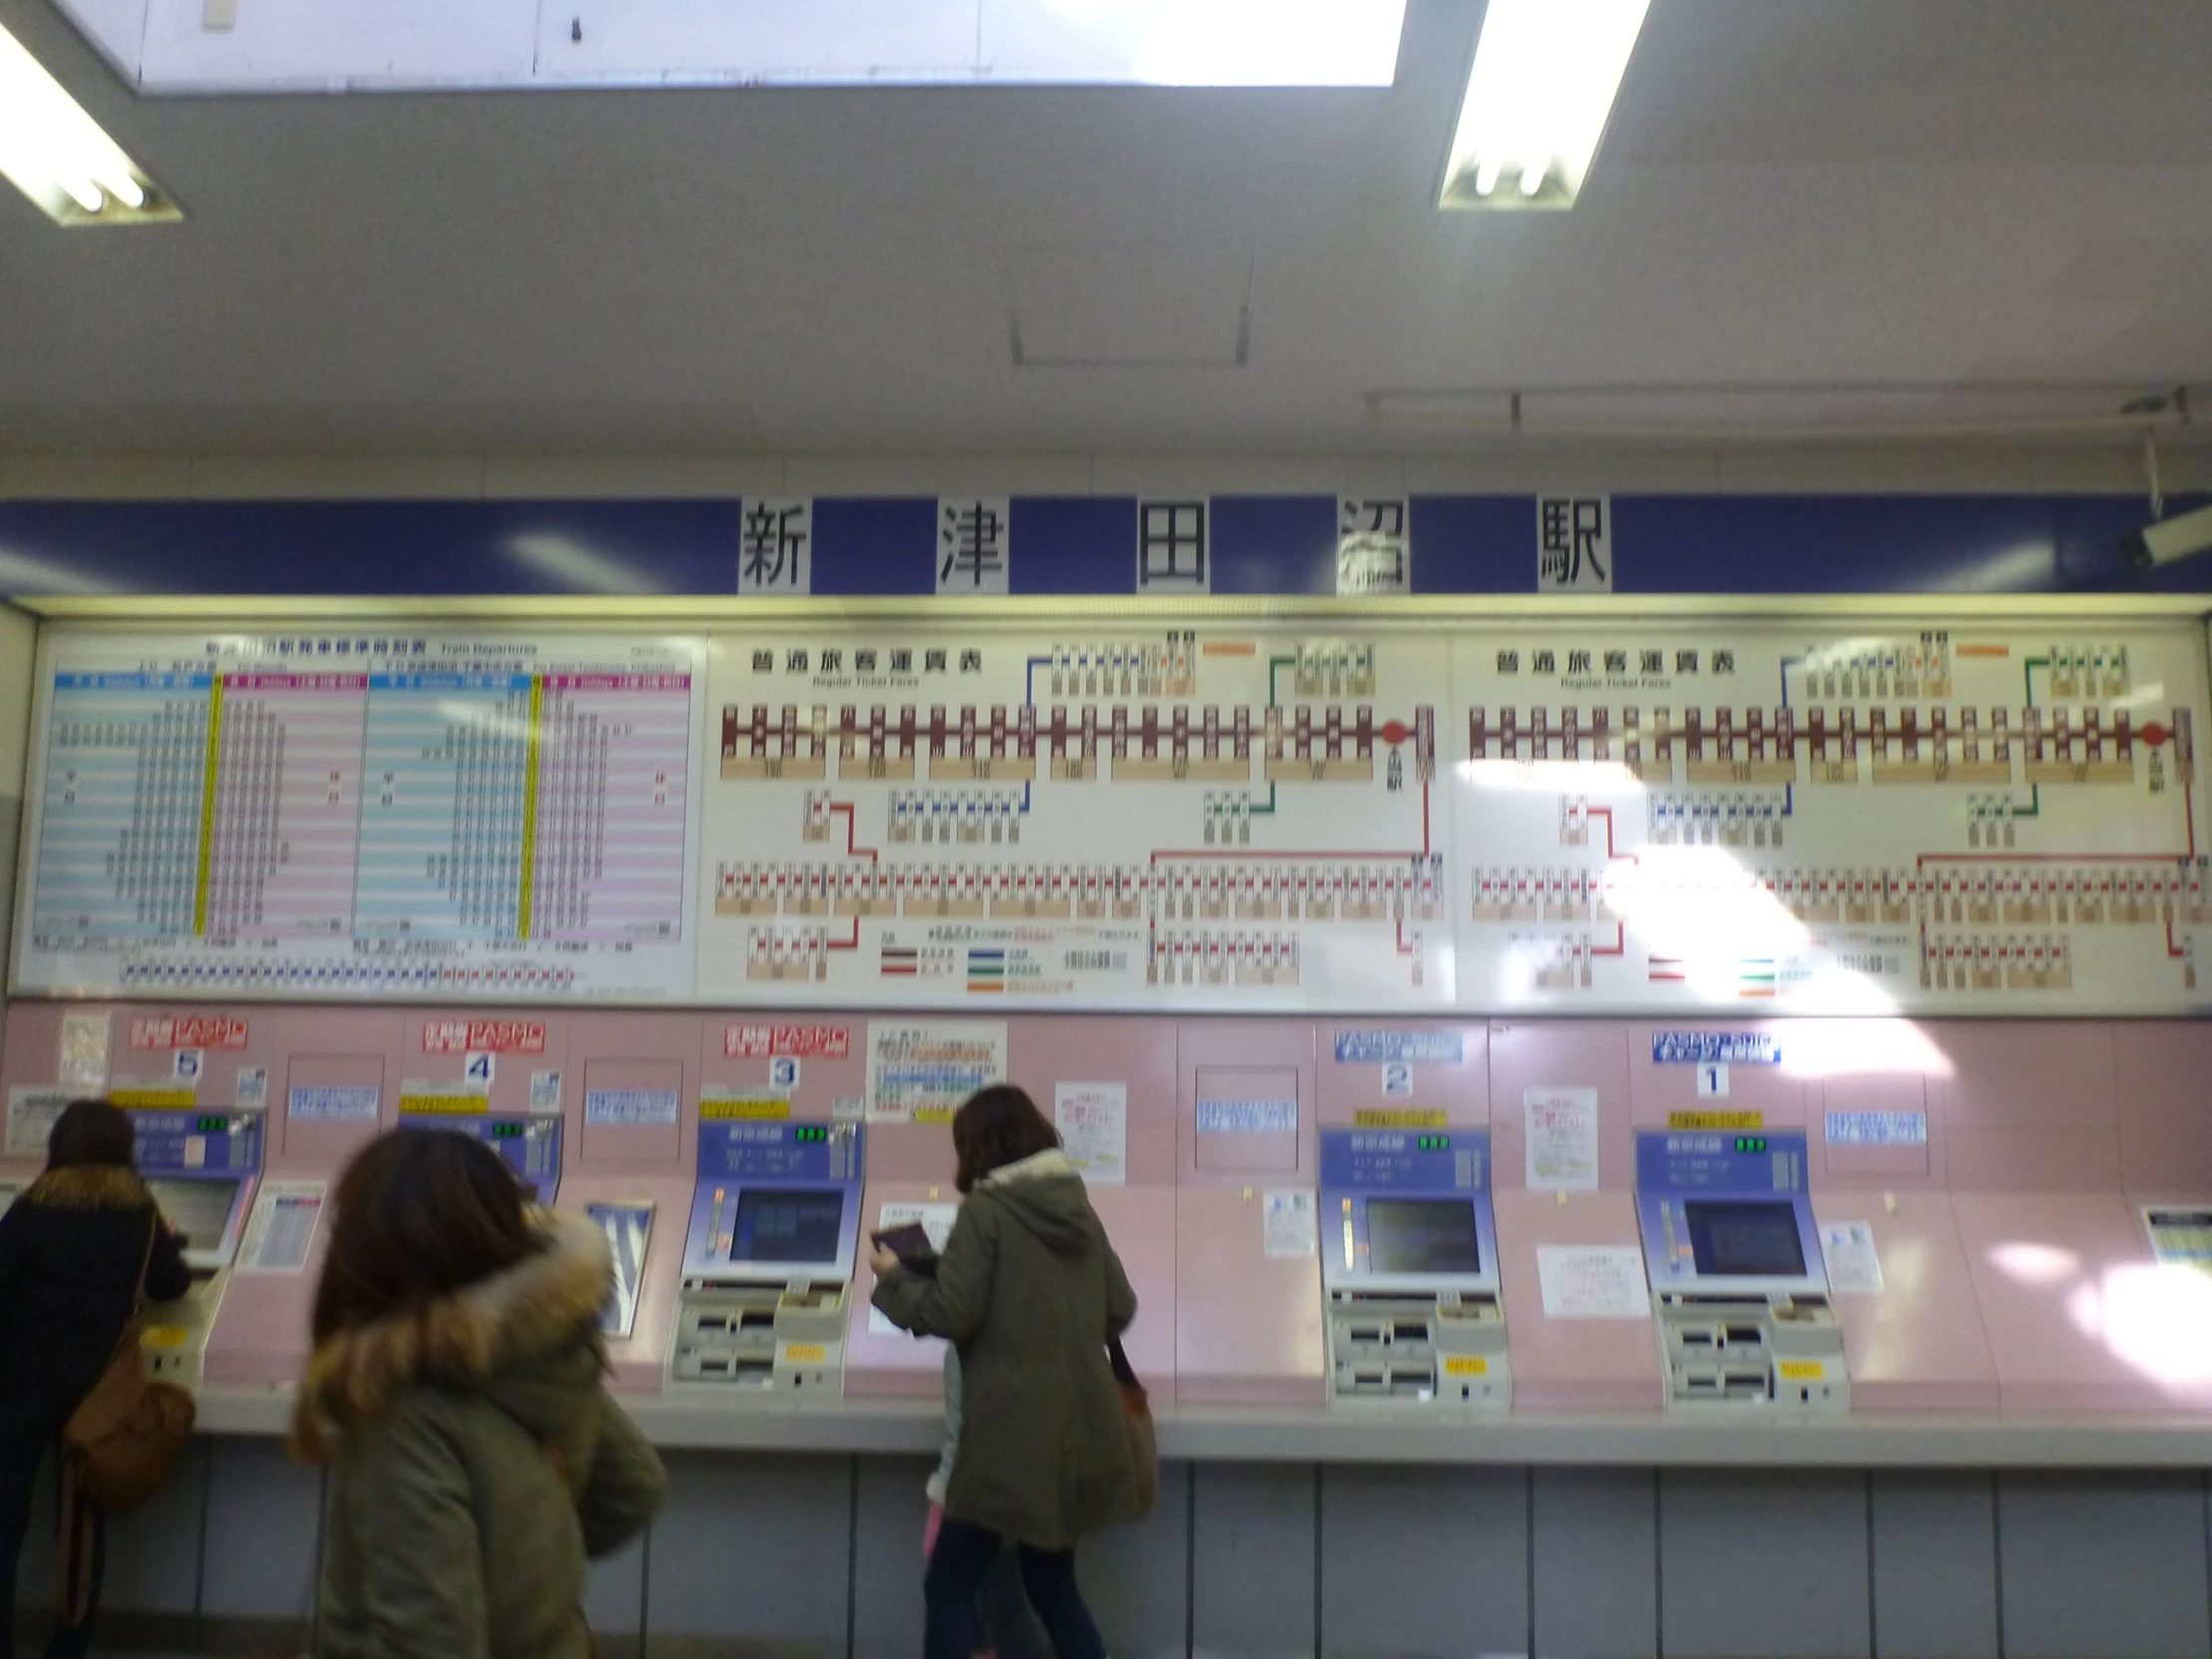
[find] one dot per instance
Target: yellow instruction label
(1403, 1117)
(1467, 1365)
(444, 1105)
(163, 1336)
(804, 1354)
(1801, 1370)
(1716, 1120)
(736, 1106)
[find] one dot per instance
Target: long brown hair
(91, 1132)
(995, 1127)
(419, 1215)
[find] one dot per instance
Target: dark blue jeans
(964, 1554)
(20, 1456)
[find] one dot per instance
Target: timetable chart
(120, 816)
(371, 817)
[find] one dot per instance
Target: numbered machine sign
(477, 1071)
(783, 1073)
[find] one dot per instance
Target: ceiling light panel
(60, 158)
(1542, 88)
(380, 45)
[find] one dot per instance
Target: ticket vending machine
(531, 1146)
(1410, 1269)
(1734, 1258)
(768, 1260)
(202, 1168)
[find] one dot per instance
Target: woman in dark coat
(1029, 1292)
(71, 1250)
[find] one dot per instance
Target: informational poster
(279, 1233)
(84, 1045)
(632, 1108)
(934, 1219)
(31, 1115)
(336, 1103)
(1093, 1120)
(1238, 817)
(1561, 1138)
(1854, 1265)
(1290, 1222)
(921, 1071)
(323, 814)
(1593, 1282)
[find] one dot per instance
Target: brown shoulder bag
(127, 1435)
(1144, 1439)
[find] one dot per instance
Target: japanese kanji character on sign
(776, 545)
(975, 545)
(1171, 546)
(1375, 545)
(1574, 543)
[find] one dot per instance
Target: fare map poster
(1575, 817)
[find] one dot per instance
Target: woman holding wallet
(1031, 1292)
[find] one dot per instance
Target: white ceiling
(1942, 194)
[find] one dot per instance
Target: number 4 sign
(477, 1072)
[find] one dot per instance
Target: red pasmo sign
(484, 1036)
(192, 1031)
(800, 1042)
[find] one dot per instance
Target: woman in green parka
(1029, 1291)
(456, 1387)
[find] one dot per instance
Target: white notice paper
(279, 1234)
(1293, 1222)
(84, 1045)
(250, 1093)
(545, 1092)
(1093, 1120)
(1852, 1263)
(1593, 1282)
(1562, 1138)
(936, 1221)
(921, 1073)
(31, 1115)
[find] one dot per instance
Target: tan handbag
(1144, 1437)
(128, 1432)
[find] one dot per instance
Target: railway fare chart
(322, 815)
(1225, 818)
(1959, 820)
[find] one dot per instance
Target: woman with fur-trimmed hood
(73, 1249)
(456, 1387)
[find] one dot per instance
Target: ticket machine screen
(787, 1224)
(1422, 1235)
(1753, 1240)
(201, 1209)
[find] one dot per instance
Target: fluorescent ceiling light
(1544, 77)
(60, 157)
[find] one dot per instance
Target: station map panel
(1591, 817)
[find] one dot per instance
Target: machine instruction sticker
(279, 1234)
(84, 1045)
(1561, 1138)
(545, 1091)
(1248, 1117)
(31, 1115)
(1404, 1117)
(1593, 1282)
(631, 1108)
(1877, 1128)
(336, 1103)
(1093, 1120)
(1290, 1222)
(921, 1072)
(251, 1089)
(1847, 1247)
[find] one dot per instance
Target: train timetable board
(1600, 816)
(323, 814)
(1221, 817)
(1775, 819)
